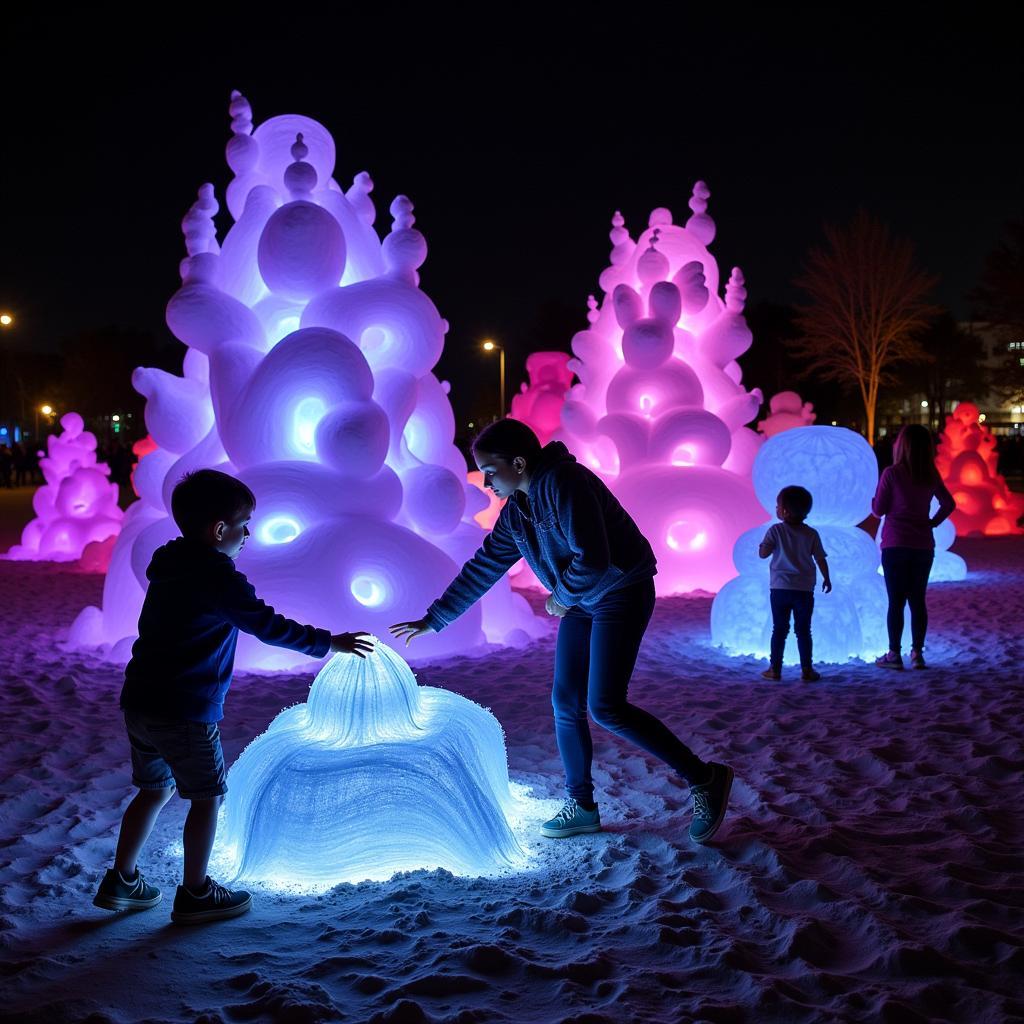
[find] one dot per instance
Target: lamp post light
(46, 410)
(6, 320)
(490, 346)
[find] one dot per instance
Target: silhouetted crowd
(19, 463)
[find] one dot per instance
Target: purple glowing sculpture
(308, 374)
(77, 506)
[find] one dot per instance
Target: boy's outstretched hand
(411, 630)
(352, 643)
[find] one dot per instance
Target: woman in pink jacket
(904, 497)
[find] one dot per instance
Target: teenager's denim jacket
(572, 531)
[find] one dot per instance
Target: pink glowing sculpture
(660, 411)
(77, 506)
(539, 404)
(967, 460)
(308, 374)
(787, 412)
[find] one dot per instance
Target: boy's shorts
(166, 753)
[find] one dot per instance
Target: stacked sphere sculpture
(838, 467)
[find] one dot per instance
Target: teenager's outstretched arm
(493, 559)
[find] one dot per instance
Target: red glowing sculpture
(967, 460)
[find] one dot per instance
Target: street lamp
(490, 346)
(6, 319)
(46, 410)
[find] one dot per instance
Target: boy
(175, 685)
(794, 548)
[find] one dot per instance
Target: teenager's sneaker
(115, 893)
(215, 903)
(917, 659)
(572, 820)
(771, 673)
(709, 802)
(890, 660)
(808, 675)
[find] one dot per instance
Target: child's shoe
(771, 673)
(808, 675)
(116, 893)
(890, 660)
(709, 802)
(917, 659)
(215, 903)
(572, 820)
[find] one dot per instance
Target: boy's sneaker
(890, 660)
(709, 802)
(115, 893)
(808, 675)
(917, 659)
(214, 904)
(771, 673)
(571, 820)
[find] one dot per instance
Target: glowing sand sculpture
(77, 505)
(372, 775)
(839, 468)
(308, 373)
(786, 412)
(539, 404)
(659, 412)
(967, 460)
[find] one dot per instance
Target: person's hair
(507, 439)
(915, 451)
(207, 496)
(797, 501)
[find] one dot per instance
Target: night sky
(516, 135)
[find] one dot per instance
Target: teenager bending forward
(599, 567)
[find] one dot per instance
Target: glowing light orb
(308, 413)
(368, 591)
(279, 530)
(372, 775)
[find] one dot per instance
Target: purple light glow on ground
(869, 869)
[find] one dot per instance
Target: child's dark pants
(801, 604)
(594, 660)
(906, 579)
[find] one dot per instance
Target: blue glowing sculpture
(372, 775)
(839, 468)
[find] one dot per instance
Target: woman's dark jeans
(594, 660)
(906, 579)
(801, 604)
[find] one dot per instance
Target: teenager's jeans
(594, 660)
(801, 604)
(906, 579)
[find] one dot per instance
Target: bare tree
(866, 311)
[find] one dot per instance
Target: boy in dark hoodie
(175, 685)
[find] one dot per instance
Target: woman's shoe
(890, 660)
(771, 673)
(917, 659)
(808, 675)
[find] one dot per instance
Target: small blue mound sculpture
(372, 775)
